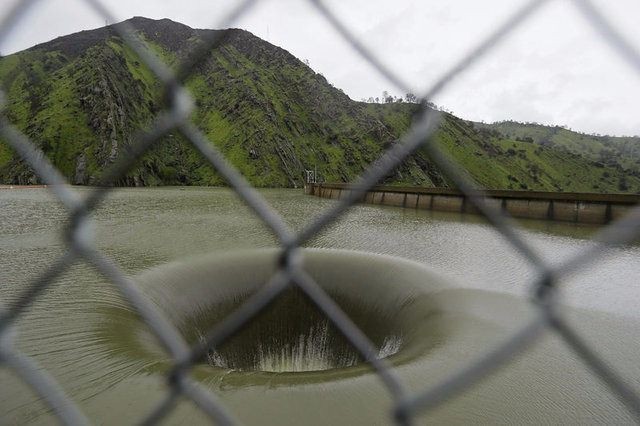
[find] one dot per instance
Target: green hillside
(81, 97)
(613, 151)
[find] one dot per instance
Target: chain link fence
(80, 245)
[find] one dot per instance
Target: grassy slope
(610, 150)
(499, 162)
(81, 99)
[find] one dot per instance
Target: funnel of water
(387, 298)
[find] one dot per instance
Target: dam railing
(575, 207)
(175, 117)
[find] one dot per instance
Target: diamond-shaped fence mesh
(81, 246)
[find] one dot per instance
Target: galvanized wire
(290, 271)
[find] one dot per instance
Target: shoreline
(23, 186)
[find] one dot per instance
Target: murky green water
(78, 328)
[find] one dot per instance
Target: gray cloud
(555, 69)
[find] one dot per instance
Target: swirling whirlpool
(292, 339)
(290, 362)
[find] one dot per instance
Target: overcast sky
(555, 69)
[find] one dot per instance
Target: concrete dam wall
(562, 206)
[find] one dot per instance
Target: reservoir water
(87, 337)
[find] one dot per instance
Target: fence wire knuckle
(178, 104)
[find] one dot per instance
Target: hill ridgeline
(81, 98)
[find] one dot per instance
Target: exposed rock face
(80, 177)
(105, 89)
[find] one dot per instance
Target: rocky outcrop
(80, 176)
(107, 93)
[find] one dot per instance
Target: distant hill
(81, 97)
(619, 152)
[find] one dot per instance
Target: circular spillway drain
(386, 298)
(293, 335)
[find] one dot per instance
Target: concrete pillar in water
(534, 209)
(411, 200)
(377, 197)
(424, 201)
(592, 213)
(565, 210)
(393, 199)
(447, 203)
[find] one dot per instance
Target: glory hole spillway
(292, 341)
